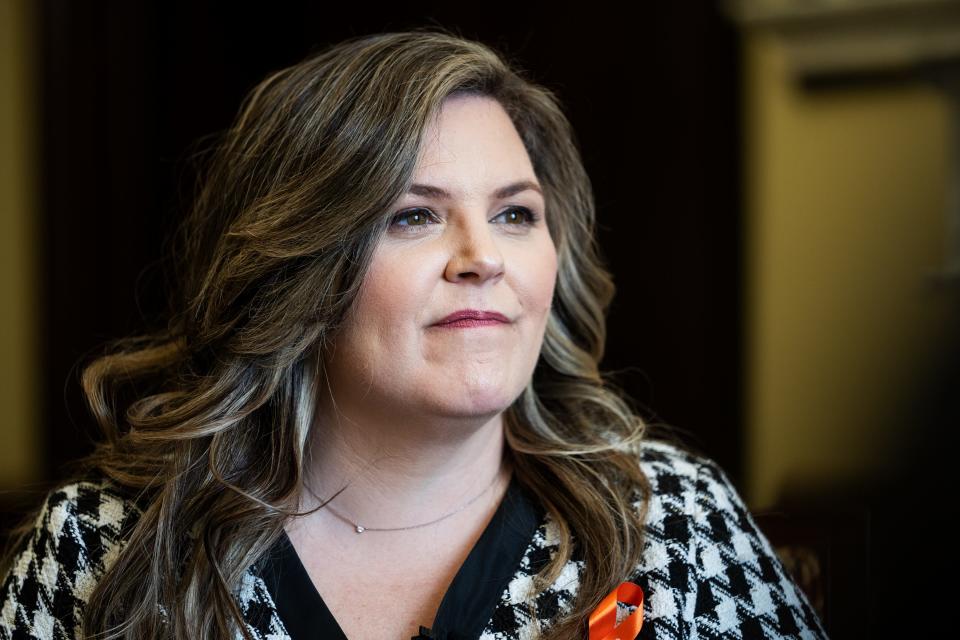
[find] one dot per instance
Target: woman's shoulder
(74, 511)
(706, 570)
(685, 483)
(695, 514)
(706, 561)
(77, 532)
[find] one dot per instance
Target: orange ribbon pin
(603, 620)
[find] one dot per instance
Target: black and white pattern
(77, 535)
(707, 571)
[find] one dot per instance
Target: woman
(376, 410)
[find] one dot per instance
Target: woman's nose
(474, 252)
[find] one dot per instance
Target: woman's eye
(519, 215)
(413, 217)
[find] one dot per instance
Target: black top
(468, 604)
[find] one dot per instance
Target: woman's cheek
(547, 280)
(398, 299)
(387, 285)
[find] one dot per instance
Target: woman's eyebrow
(430, 191)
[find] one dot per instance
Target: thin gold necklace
(359, 528)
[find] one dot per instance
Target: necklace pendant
(360, 529)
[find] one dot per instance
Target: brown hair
(205, 421)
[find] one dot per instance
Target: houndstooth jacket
(707, 572)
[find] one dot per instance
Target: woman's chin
(475, 403)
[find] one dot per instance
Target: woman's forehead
(471, 149)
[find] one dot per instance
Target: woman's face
(470, 235)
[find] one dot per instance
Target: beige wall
(19, 445)
(845, 195)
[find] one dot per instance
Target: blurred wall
(19, 429)
(845, 190)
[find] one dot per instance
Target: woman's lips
(470, 322)
(472, 318)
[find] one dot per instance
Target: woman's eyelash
(530, 217)
(410, 212)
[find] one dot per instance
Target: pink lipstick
(472, 318)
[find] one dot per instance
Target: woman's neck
(405, 472)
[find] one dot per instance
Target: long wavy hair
(205, 422)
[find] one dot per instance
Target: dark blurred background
(775, 209)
